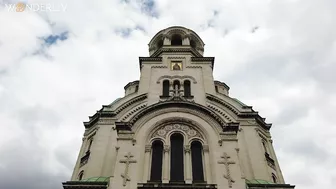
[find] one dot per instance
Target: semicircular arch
(179, 106)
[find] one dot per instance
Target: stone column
(207, 164)
(146, 175)
(166, 167)
(187, 161)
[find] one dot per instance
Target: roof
(96, 179)
(240, 102)
(257, 181)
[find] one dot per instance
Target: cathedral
(176, 127)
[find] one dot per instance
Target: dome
(176, 37)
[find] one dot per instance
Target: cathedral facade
(176, 127)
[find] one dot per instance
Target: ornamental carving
(164, 130)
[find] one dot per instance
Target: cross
(226, 162)
(127, 161)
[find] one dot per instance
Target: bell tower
(176, 127)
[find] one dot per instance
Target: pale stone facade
(236, 143)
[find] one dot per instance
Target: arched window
(187, 91)
(165, 88)
(156, 167)
(216, 88)
(197, 162)
(176, 157)
(274, 178)
(176, 40)
(176, 84)
(80, 175)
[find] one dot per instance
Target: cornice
(131, 83)
(223, 103)
(204, 59)
(130, 102)
(86, 184)
(253, 114)
(103, 113)
(149, 59)
(171, 49)
(222, 84)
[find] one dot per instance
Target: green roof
(240, 102)
(116, 100)
(96, 179)
(257, 181)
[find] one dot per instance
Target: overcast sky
(58, 68)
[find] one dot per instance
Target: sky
(59, 67)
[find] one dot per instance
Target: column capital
(148, 148)
(166, 148)
(187, 148)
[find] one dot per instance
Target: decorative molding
(176, 57)
(227, 163)
(91, 133)
(109, 114)
(106, 121)
(227, 136)
(177, 95)
(222, 84)
(193, 66)
(176, 50)
(149, 59)
(223, 103)
(252, 114)
(127, 162)
(264, 135)
(136, 82)
(220, 112)
(181, 78)
(202, 59)
(173, 31)
(125, 135)
(136, 109)
(187, 130)
(130, 102)
(252, 122)
(159, 67)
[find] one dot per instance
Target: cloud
(57, 68)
